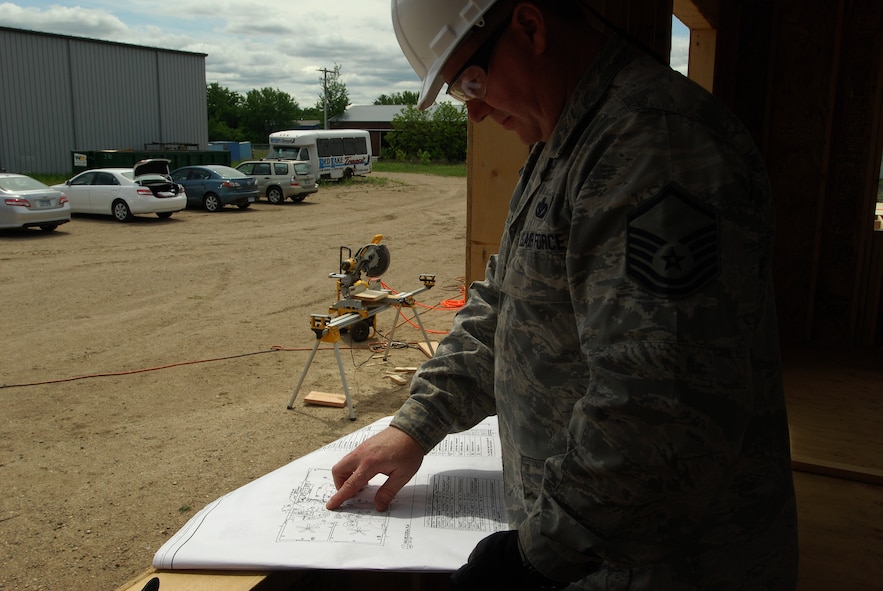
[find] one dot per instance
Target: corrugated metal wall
(59, 94)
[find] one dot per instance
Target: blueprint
(279, 521)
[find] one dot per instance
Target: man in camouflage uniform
(625, 334)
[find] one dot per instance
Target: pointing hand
(391, 452)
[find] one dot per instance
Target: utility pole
(325, 72)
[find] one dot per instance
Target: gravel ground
(147, 366)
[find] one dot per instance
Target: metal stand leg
(303, 374)
(346, 389)
(422, 329)
(331, 335)
(392, 331)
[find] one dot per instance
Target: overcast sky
(250, 44)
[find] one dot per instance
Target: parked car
(279, 180)
(26, 203)
(126, 192)
(213, 186)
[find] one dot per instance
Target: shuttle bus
(332, 153)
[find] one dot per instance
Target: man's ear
(530, 24)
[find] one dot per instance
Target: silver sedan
(28, 203)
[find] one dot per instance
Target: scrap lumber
(326, 399)
(425, 347)
(396, 378)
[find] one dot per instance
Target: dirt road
(146, 367)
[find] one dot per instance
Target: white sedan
(126, 192)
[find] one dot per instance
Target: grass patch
(355, 181)
(49, 179)
(450, 170)
(457, 170)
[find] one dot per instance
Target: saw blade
(376, 259)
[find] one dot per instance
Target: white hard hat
(428, 31)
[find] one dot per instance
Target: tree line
(253, 116)
(434, 135)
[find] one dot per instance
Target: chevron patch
(673, 244)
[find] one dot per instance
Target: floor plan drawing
(307, 519)
(279, 521)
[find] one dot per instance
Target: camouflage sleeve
(454, 390)
(667, 342)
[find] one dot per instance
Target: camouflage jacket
(625, 335)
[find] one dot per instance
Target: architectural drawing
(307, 520)
(464, 503)
(279, 521)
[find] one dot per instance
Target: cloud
(253, 44)
(680, 49)
(82, 22)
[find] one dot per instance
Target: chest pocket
(536, 264)
(534, 250)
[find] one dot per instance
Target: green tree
(265, 111)
(449, 132)
(437, 134)
(408, 135)
(406, 97)
(224, 107)
(338, 96)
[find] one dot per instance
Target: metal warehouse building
(60, 93)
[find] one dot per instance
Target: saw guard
(375, 259)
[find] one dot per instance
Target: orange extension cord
(446, 305)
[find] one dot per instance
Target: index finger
(342, 470)
(347, 487)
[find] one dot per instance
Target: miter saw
(372, 259)
(357, 296)
(358, 303)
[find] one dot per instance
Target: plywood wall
(495, 156)
(806, 78)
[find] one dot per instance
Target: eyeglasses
(470, 83)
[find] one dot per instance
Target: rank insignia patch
(673, 244)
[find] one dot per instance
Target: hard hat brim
(419, 49)
(431, 86)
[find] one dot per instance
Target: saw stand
(328, 329)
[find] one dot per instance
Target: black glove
(497, 563)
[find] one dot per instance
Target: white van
(332, 153)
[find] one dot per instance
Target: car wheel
(48, 227)
(298, 198)
(164, 214)
(274, 195)
(243, 205)
(211, 202)
(121, 211)
(347, 174)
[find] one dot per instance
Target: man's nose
(477, 110)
